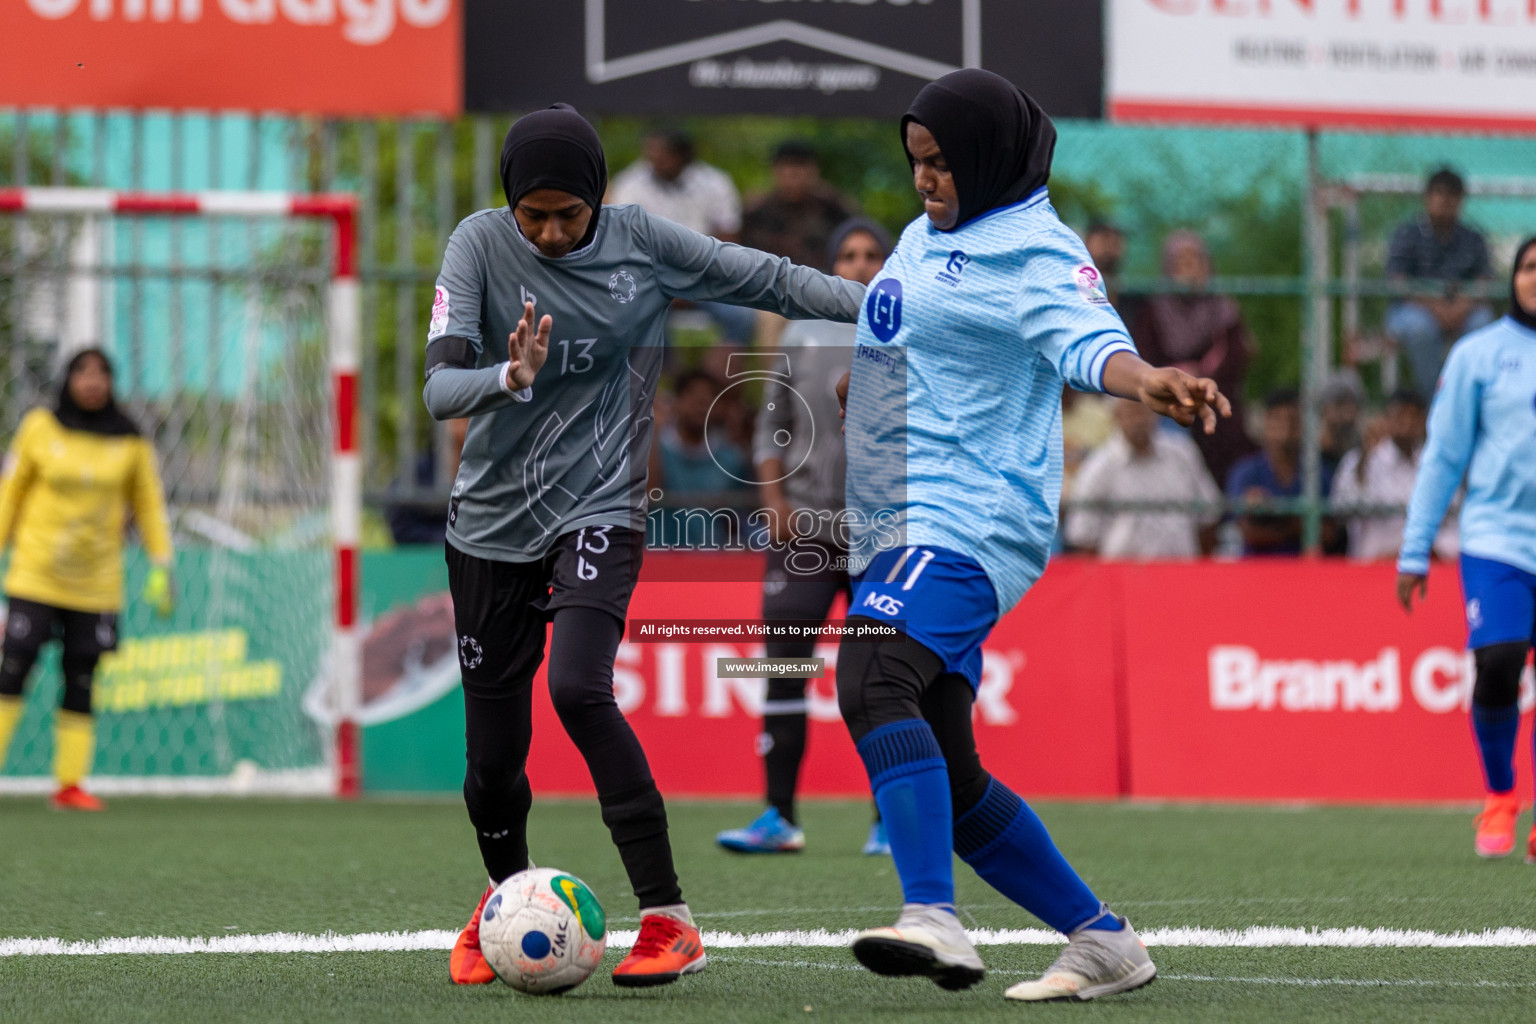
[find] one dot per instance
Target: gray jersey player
(801, 464)
(547, 331)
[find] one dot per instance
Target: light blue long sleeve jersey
(954, 403)
(1482, 426)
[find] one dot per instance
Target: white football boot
(926, 941)
(1094, 963)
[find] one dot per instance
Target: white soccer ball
(543, 931)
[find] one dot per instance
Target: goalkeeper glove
(157, 591)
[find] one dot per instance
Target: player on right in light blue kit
(988, 304)
(1482, 427)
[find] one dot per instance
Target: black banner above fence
(826, 58)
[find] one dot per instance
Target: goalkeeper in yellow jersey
(72, 476)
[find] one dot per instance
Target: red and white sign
(1457, 64)
(1045, 715)
(341, 57)
(1298, 681)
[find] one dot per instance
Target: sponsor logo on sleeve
(439, 325)
(1090, 285)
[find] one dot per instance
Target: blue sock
(911, 787)
(1496, 729)
(1008, 846)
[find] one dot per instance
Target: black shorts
(500, 608)
(30, 624)
(800, 583)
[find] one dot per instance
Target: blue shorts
(941, 598)
(1501, 602)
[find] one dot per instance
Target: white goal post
(337, 666)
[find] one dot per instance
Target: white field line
(371, 942)
(1301, 982)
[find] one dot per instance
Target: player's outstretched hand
(1183, 398)
(527, 348)
(1407, 584)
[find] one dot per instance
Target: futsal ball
(543, 932)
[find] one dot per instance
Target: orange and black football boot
(466, 964)
(665, 950)
(73, 798)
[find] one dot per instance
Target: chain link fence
(1296, 227)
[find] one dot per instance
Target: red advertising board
(1258, 680)
(1045, 717)
(1290, 680)
(340, 57)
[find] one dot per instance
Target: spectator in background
(1106, 245)
(1273, 472)
(1338, 433)
(1201, 334)
(1437, 246)
(798, 217)
(670, 181)
(1087, 421)
(1339, 406)
(698, 469)
(414, 522)
(1382, 474)
(1143, 463)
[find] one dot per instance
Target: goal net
(231, 322)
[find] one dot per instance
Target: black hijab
(1518, 313)
(996, 140)
(555, 148)
(109, 420)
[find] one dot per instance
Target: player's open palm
(527, 348)
(1184, 398)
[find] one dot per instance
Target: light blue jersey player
(1482, 429)
(987, 306)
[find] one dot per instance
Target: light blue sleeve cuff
(1413, 565)
(1100, 361)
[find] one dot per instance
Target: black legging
(896, 680)
(581, 651)
(791, 597)
(498, 731)
(20, 655)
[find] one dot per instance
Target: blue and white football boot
(877, 845)
(770, 833)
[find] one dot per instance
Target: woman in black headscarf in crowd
(1202, 334)
(546, 523)
(985, 308)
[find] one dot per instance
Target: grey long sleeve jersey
(574, 453)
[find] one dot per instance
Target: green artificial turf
(217, 867)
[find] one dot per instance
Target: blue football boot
(770, 833)
(877, 845)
